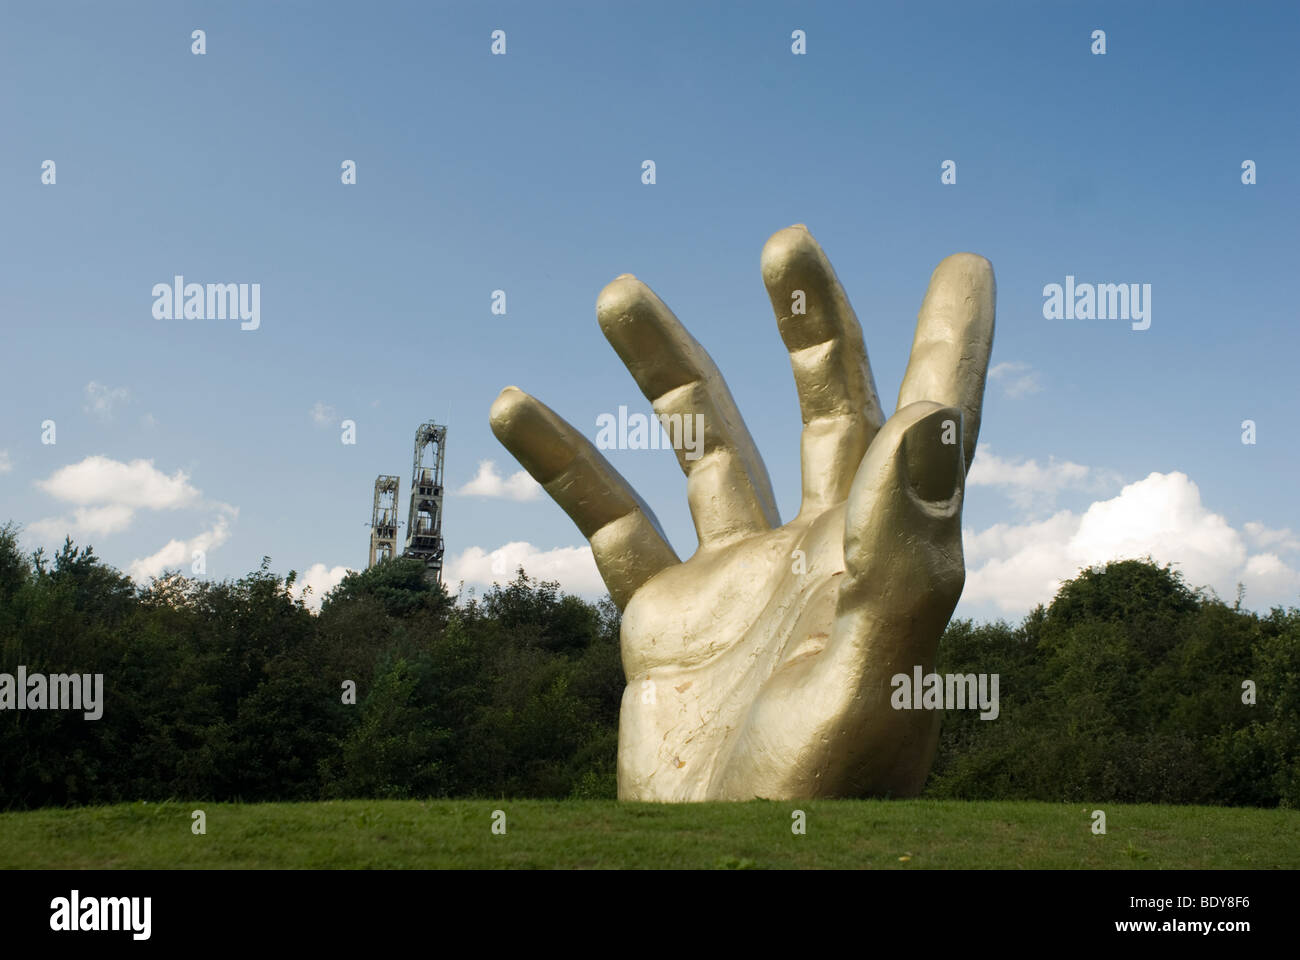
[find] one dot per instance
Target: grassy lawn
(855, 834)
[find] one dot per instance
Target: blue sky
(522, 173)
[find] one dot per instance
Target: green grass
(873, 834)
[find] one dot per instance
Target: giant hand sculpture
(761, 666)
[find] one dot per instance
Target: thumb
(903, 560)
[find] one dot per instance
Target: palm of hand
(760, 666)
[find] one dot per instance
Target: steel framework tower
(383, 520)
(424, 525)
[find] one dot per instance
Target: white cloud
(1029, 485)
(1262, 537)
(101, 400)
(5, 463)
(488, 483)
(1014, 567)
(573, 567)
(85, 521)
(106, 493)
(179, 554)
(99, 480)
(323, 414)
(1272, 580)
(1017, 379)
(321, 580)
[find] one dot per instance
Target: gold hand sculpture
(761, 666)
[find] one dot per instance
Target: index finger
(954, 337)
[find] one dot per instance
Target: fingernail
(932, 450)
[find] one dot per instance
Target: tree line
(1128, 686)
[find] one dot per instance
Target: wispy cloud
(178, 554)
(102, 401)
(85, 521)
(323, 415)
(1016, 379)
(1030, 485)
(1265, 537)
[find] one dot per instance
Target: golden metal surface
(761, 665)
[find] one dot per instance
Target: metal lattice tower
(424, 525)
(383, 520)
